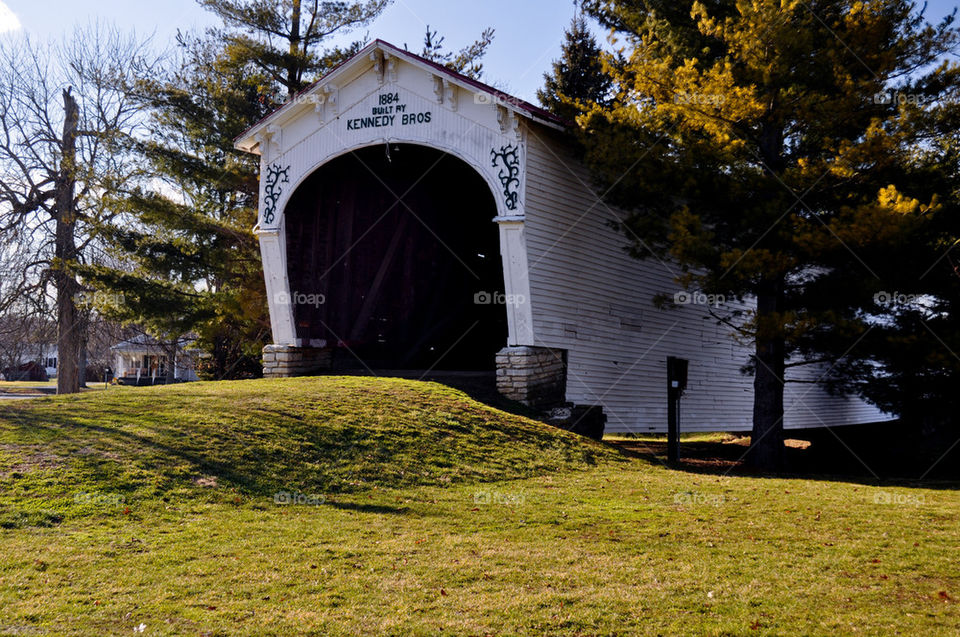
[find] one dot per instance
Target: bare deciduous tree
(24, 337)
(66, 113)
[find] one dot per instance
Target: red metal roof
(505, 98)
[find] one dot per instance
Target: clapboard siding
(589, 297)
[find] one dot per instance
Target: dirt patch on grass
(206, 481)
(90, 451)
(24, 459)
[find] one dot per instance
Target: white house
(142, 360)
(44, 354)
(47, 358)
(413, 218)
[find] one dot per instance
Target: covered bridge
(414, 218)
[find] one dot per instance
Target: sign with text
(388, 112)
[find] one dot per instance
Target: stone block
(535, 376)
(286, 360)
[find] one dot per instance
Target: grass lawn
(344, 506)
(14, 385)
(31, 388)
(28, 383)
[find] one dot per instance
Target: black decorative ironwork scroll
(272, 190)
(509, 175)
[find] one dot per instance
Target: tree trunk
(68, 324)
(293, 63)
(82, 327)
(82, 361)
(171, 362)
(220, 358)
(766, 443)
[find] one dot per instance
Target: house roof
(499, 97)
(145, 343)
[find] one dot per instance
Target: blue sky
(527, 40)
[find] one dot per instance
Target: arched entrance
(394, 262)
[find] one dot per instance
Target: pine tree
(577, 79)
(771, 149)
(467, 61)
(907, 361)
(187, 261)
(287, 41)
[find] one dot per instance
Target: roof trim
(505, 99)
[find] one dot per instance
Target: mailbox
(677, 373)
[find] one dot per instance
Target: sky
(528, 32)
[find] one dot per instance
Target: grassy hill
(412, 510)
(256, 438)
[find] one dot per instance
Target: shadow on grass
(876, 455)
(120, 443)
(360, 507)
(398, 438)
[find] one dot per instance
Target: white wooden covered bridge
(413, 218)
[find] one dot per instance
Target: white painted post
(273, 250)
(516, 280)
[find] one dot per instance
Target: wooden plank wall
(592, 299)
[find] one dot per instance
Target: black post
(673, 426)
(676, 383)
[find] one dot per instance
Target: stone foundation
(586, 420)
(534, 376)
(280, 361)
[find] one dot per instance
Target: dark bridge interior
(399, 242)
